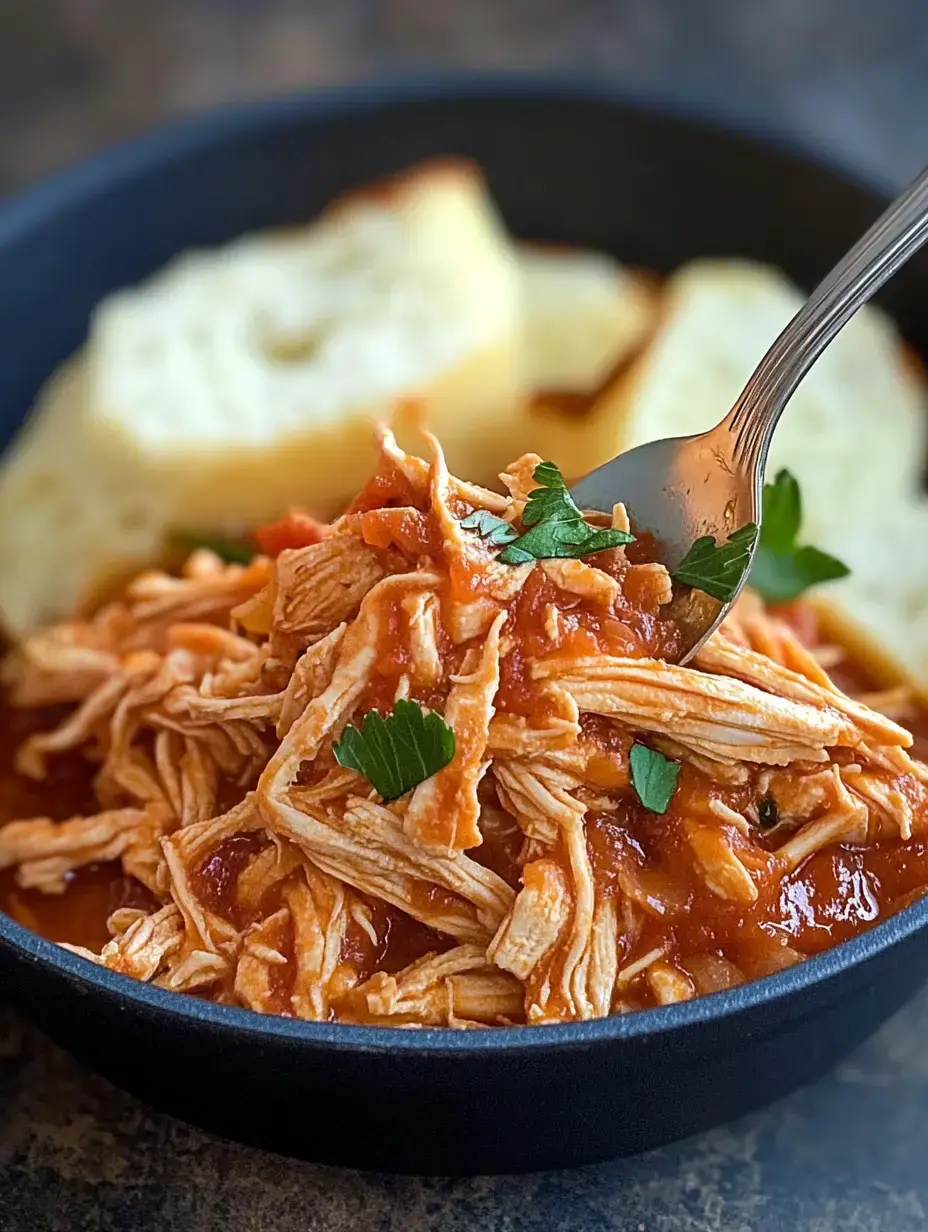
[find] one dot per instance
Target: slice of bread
(855, 431)
(260, 367)
(583, 315)
(70, 523)
(880, 612)
(584, 318)
(240, 381)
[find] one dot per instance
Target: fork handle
(893, 238)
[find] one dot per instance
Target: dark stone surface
(849, 76)
(845, 1154)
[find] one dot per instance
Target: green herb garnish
(654, 777)
(782, 570)
(398, 752)
(717, 569)
(556, 524)
(489, 527)
(233, 551)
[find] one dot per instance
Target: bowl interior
(565, 164)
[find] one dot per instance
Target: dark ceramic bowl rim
(58, 194)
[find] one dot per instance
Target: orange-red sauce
(79, 915)
(836, 894)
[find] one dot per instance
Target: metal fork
(682, 488)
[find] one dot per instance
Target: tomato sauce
(410, 530)
(79, 914)
(389, 489)
(401, 940)
(834, 895)
(297, 530)
(215, 880)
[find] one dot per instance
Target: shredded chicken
(444, 810)
(527, 879)
(454, 989)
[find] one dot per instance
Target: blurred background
(850, 77)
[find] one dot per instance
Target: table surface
(848, 77)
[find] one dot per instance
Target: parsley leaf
(782, 576)
(551, 539)
(398, 752)
(717, 569)
(551, 502)
(782, 513)
(782, 570)
(489, 527)
(654, 777)
(556, 525)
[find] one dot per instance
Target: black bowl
(568, 163)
